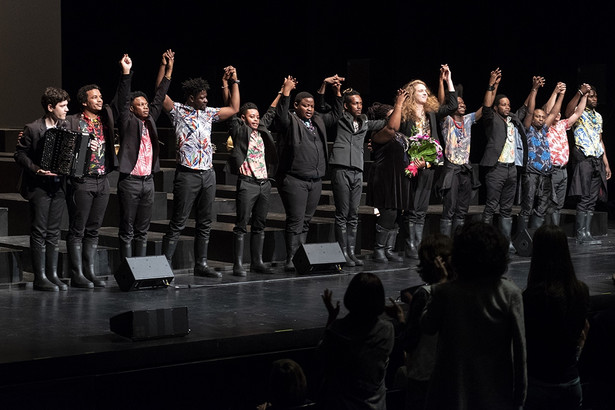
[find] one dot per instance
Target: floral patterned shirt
(457, 138)
(254, 164)
(94, 127)
(510, 146)
(587, 133)
(193, 135)
(558, 143)
(538, 154)
(143, 167)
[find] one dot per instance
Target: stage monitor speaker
(151, 324)
(319, 258)
(523, 242)
(144, 272)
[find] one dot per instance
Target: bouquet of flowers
(425, 147)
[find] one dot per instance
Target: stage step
(11, 267)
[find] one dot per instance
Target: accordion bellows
(65, 152)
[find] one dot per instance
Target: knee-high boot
(125, 250)
(418, 235)
(379, 244)
(389, 248)
(38, 266)
(293, 241)
(139, 248)
(51, 267)
(411, 245)
(168, 249)
(446, 227)
(555, 218)
(342, 239)
(457, 225)
(506, 228)
(257, 242)
(238, 242)
(89, 263)
(75, 253)
(352, 242)
(201, 268)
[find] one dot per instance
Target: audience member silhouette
(480, 359)
(287, 388)
(556, 305)
(354, 352)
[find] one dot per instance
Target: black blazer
(240, 133)
(106, 116)
(495, 130)
(130, 127)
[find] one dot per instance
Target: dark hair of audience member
(365, 295)
(431, 247)
(551, 265)
(480, 250)
(287, 384)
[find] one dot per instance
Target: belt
(506, 164)
(140, 177)
(253, 180)
(306, 178)
(89, 176)
(194, 171)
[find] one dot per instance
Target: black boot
(139, 248)
(89, 264)
(457, 225)
(389, 248)
(125, 250)
(351, 236)
(238, 242)
(379, 244)
(38, 266)
(523, 222)
(446, 227)
(342, 239)
(590, 240)
(76, 267)
(418, 237)
(293, 242)
(257, 241)
(168, 249)
(51, 267)
(555, 218)
(536, 221)
(506, 228)
(200, 259)
(411, 245)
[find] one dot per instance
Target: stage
(57, 349)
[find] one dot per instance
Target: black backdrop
(378, 47)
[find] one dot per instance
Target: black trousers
(347, 186)
(456, 198)
(252, 202)
(87, 202)
(192, 188)
(559, 181)
(136, 200)
(536, 194)
(300, 199)
(501, 185)
(421, 190)
(46, 210)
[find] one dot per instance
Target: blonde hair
(408, 111)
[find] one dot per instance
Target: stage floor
(66, 335)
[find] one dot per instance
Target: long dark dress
(387, 186)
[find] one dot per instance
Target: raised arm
(233, 104)
(269, 116)
(551, 101)
(578, 110)
(394, 122)
(494, 83)
(574, 101)
(165, 69)
(555, 109)
(441, 91)
(530, 101)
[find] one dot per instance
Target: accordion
(65, 152)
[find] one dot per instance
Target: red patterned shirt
(558, 143)
(143, 166)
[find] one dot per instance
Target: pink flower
(411, 170)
